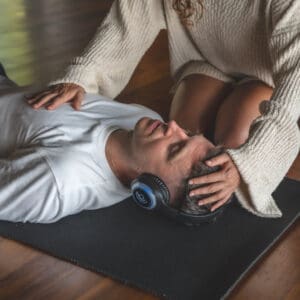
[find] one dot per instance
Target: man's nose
(175, 128)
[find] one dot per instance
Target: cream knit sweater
(233, 40)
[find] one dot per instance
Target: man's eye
(175, 149)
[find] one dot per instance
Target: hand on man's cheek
(220, 184)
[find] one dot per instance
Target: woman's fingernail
(191, 182)
(192, 193)
(209, 162)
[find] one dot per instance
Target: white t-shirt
(53, 163)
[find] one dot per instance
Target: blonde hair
(187, 9)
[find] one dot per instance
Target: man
(54, 164)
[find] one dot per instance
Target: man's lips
(153, 125)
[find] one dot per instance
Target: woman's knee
(231, 138)
(238, 111)
(196, 102)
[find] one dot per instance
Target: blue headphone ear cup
(149, 191)
(160, 187)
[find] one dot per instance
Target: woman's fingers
(76, 103)
(210, 178)
(218, 160)
(209, 189)
(56, 95)
(213, 198)
(219, 185)
(59, 100)
(219, 203)
(43, 100)
(30, 97)
(33, 98)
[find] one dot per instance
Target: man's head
(169, 152)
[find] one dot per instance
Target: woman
(227, 59)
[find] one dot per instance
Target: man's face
(167, 151)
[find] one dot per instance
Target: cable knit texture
(233, 40)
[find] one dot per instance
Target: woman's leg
(238, 111)
(196, 103)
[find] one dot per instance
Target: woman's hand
(221, 183)
(56, 95)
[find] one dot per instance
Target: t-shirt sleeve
(109, 60)
(28, 191)
(274, 139)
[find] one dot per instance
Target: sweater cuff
(250, 195)
(83, 76)
(199, 67)
(270, 210)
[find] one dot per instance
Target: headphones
(151, 193)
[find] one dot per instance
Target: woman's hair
(187, 9)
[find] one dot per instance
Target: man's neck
(118, 154)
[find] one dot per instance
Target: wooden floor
(37, 39)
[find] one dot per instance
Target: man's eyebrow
(190, 133)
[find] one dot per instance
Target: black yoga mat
(159, 256)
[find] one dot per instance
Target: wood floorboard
(37, 40)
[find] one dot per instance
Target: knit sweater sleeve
(109, 60)
(274, 138)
